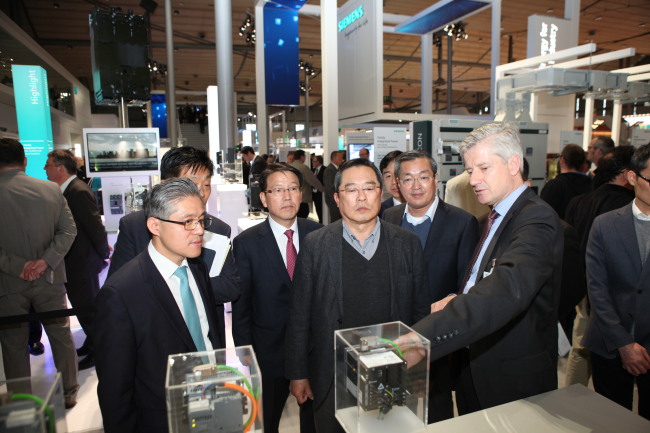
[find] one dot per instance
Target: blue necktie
(190, 312)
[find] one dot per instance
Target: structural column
(223, 29)
(172, 121)
(427, 73)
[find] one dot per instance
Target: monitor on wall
(121, 152)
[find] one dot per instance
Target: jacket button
(639, 291)
(340, 321)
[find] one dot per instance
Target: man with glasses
(355, 272)
(158, 304)
(618, 281)
(266, 258)
(133, 237)
(448, 236)
(599, 147)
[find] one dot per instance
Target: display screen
(122, 152)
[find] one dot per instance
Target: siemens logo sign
(354, 15)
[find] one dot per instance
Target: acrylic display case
(32, 405)
(214, 391)
(381, 380)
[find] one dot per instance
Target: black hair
(412, 155)
(357, 162)
(574, 156)
(640, 158)
(277, 168)
(179, 159)
(12, 153)
(386, 160)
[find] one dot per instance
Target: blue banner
(159, 113)
(33, 115)
(281, 55)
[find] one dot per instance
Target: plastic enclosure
(375, 389)
(33, 404)
(214, 392)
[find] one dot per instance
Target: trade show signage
(33, 115)
(360, 58)
(422, 136)
(547, 35)
(281, 55)
(388, 139)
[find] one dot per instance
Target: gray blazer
(35, 223)
(317, 299)
(618, 285)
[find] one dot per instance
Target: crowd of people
(485, 275)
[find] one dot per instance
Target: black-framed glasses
(191, 224)
(643, 177)
(354, 192)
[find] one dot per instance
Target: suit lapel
(626, 234)
(272, 251)
(436, 230)
(334, 244)
(161, 293)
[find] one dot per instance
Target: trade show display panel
(214, 391)
(32, 405)
(375, 390)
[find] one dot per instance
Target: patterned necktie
(190, 312)
(292, 254)
(486, 230)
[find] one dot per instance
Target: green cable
(48, 410)
(236, 371)
(392, 343)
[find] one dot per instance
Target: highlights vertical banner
(281, 55)
(33, 115)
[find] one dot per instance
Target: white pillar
(616, 122)
(427, 73)
(223, 30)
(589, 120)
(172, 121)
(330, 63)
(495, 53)
(263, 130)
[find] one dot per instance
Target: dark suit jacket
(259, 316)
(138, 326)
(558, 192)
(317, 299)
(134, 237)
(618, 285)
(509, 318)
(386, 204)
(90, 247)
(328, 184)
(450, 244)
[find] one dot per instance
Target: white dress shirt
(281, 239)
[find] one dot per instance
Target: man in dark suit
(252, 165)
(340, 268)
(618, 278)
(36, 232)
(319, 171)
(88, 253)
(154, 307)
(336, 159)
(134, 237)
(505, 320)
(387, 169)
(448, 236)
(266, 260)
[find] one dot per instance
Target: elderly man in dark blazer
(505, 320)
(134, 237)
(265, 260)
(355, 272)
(618, 281)
(158, 304)
(448, 236)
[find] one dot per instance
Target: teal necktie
(190, 312)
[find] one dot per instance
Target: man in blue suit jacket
(144, 314)
(618, 281)
(134, 237)
(448, 236)
(260, 315)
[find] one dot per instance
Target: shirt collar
(375, 231)
(429, 213)
(278, 230)
(65, 184)
(504, 206)
(165, 266)
(637, 212)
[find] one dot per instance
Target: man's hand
(245, 360)
(635, 359)
(441, 304)
(301, 390)
(412, 349)
(33, 269)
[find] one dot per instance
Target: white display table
(228, 203)
(246, 223)
(572, 409)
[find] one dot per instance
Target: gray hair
(504, 141)
(412, 155)
(164, 197)
(357, 162)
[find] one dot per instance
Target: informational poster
(33, 115)
(388, 139)
(546, 35)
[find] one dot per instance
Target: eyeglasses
(281, 191)
(354, 192)
(643, 177)
(49, 165)
(423, 180)
(191, 224)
